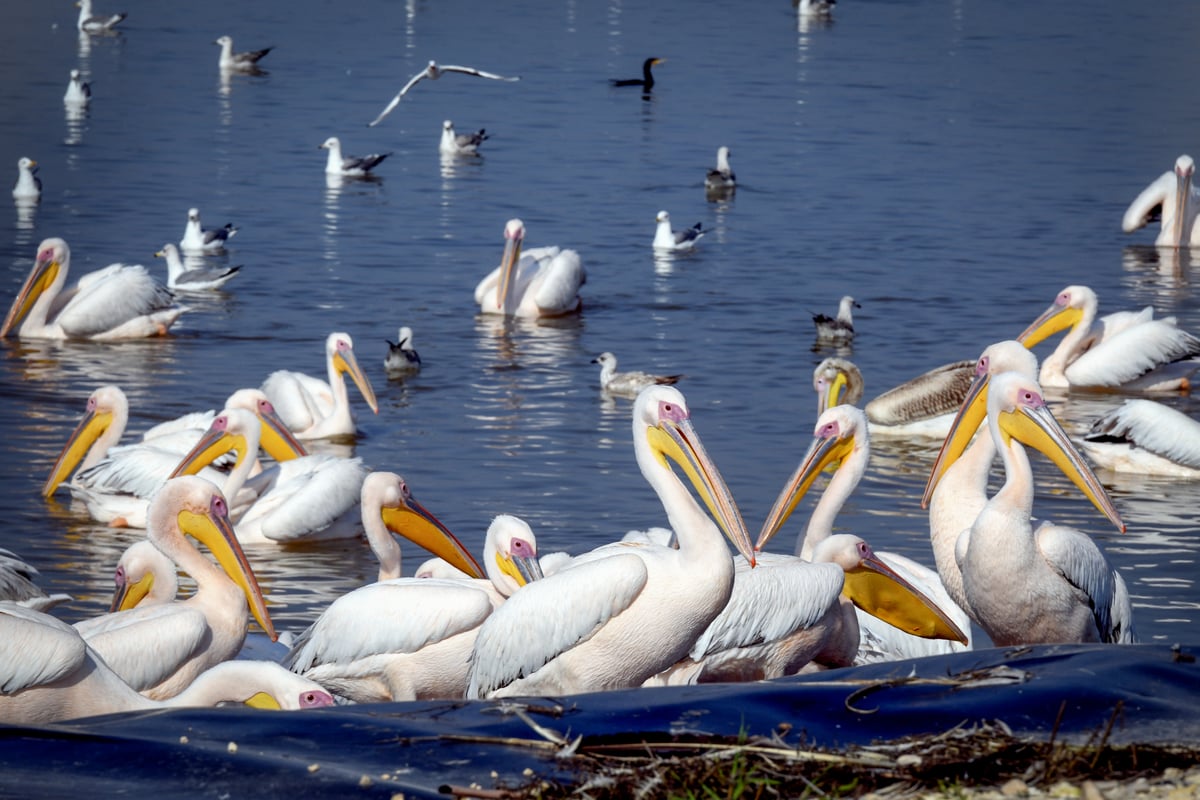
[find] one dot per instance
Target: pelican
(402, 358)
(1173, 198)
(48, 673)
(721, 180)
(647, 79)
(79, 93)
(238, 62)
(667, 239)
(1126, 351)
(160, 649)
(90, 22)
(409, 638)
(145, 576)
(923, 406)
(1052, 584)
(17, 584)
(539, 282)
(29, 185)
(837, 329)
(627, 383)
(317, 409)
(306, 498)
(460, 144)
(625, 611)
(198, 240)
(1145, 437)
(816, 8)
(195, 279)
(120, 301)
(348, 166)
(433, 72)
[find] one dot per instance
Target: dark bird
(401, 357)
(647, 79)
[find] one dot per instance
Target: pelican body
(28, 185)
(539, 282)
(348, 166)
(460, 144)
(1174, 199)
(1142, 436)
(238, 62)
(667, 239)
(17, 584)
(317, 409)
(433, 71)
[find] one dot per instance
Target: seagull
(840, 329)
(721, 179)
(647, 79)
(401, 357)
(816, 8)
(180, 277)
(199, 241)
(79, 93)
(95, 23)
(666, 239)
(350, 166)
(627, 383)
(460, 144)
(29, 186)
(433, 72)
(239, 62)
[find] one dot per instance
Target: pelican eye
(982, 367)
(1063, 299)
(342, 344)
(119, 577)
(265, 407)
(520, 547)
(218, 506)
(220, 423)
(1032, 399)
(828, 431)
(864, 550)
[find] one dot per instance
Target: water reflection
(76, 114)
(1166, 271)
(26, 221)
(57, 365)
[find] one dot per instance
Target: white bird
(402, 359)
(17, 584)
(90, 22)
(200, 241)
(1145, 437)
(160, 649)
(79, 92)
(433, 72)
(721, 180)
(1052, 584)
(348, 166)
(840, 328)
(539, 282)
(1126, 350)
(198, 278)
(460, 144)
(28, 185)
(627, 383)
(815, 8)
(144, 576)
(48, 673)
(121, 301)
(238, 62)
(316, 409)
(626, 611)
(1174, 199)
(666, 239)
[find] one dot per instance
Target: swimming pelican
(200, 241)
(90, 22)
(667, 239)
(539, 282)
(28, 185)
(433, 72)
(307, 498)
(816, 8)
(348, 166)
(48, 673)
(1052, 584)
(144, 576)
(121, 301)
(460, 144)
(160, 649)
(720, 180)
(647, 79)
(625, 611)
(1145, 437)
(79, 93)
(1173, 198)
(17, 584)
(627, 383)
(238, 62)
(840, 328)
(402, 358)
(923, 406)
(195, 279)
(317, 409)
(1128, 351)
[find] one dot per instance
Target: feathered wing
(559, 289)
(109, 297)
(1133, 353)
(939, 391)
(170, 632)
(304, 496)
(35, 648)
(1076, 557)
(1147, 206)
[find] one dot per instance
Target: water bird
(79, 92)
(720, 180)
(534, 283)
(401, 357)
(815, 8)
(90, 22)
(198, 240)
(18, 584)
(627, 383)
(434, 71)
(194, 279)
(1142, 436)
(316, 409)
(460, 144)
(348, 166)
(922, 406)
(839, 329)
(647, 79)
(1173, 199)
(144, 576)
(28, 185)
(238, 62)
(120, 301)
(666, 239)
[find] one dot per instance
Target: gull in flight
(433, 72)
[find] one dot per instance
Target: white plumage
(667, 239)
(1174, 199)
(434, 71)
(534, 283)
(627, 383)
(1142, 436)
(316, 409)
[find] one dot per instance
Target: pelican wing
(939, 391)
(1132, 353)
(562, 275)
(300, 400)
(1153, 427)
(147, 644)
(304, 495)
(1147, 206)
(1076, 557)
(137, 469)
(110, 297)
(35, 648)
(194, 423)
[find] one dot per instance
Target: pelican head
(1184, 169)
(514, 235)
(339, 348)
(143, 572)
(332, 143)
(662, 421)
(233, 429)
(274, 435)
(104, 405)
(512, 547)
(53, 258)
(837, 381)
(388, 493)
(1073, 306)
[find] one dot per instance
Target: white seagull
(90, 22)
(816, 8)
(720, 180)
(238, 62)
(433, 72)
(348, 166)
(666, 239)
(195, 279)
(1175, 200)
(460, 144)
(627, 383)
(79, 92)
(539, 282)
(29, 185)
(840, 328)
(401, 357)
(199, 241)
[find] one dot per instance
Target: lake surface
(952, 165)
